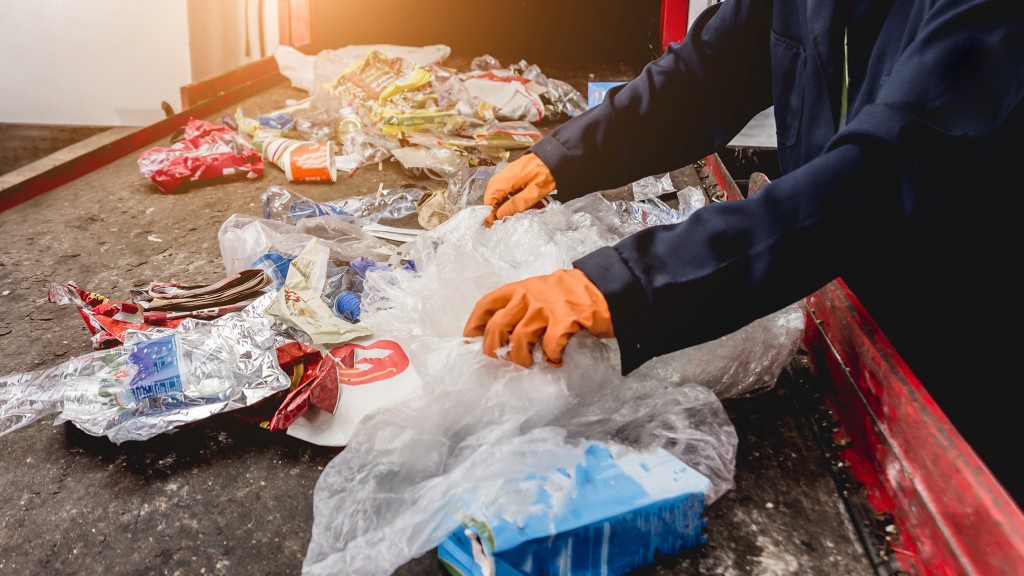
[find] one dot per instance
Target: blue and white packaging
(617, 511)
(597, 90)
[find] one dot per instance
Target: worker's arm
(683, 106)
(952, 100)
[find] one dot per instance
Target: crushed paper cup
(301, 160)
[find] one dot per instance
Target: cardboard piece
(617, 511)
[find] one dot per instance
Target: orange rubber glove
(552, 307)
(517, 187)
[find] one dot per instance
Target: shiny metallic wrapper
(158, 381)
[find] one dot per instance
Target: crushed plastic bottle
(284, 205)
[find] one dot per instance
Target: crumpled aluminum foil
(158, 381)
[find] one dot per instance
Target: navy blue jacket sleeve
(692, 100)
(955, 86)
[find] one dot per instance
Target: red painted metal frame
(675, 15)
(203, 90)
(950, 513)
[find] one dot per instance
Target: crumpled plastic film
(560, 95)
(460, 261)
(28, 396)
(744, 363)
(466, 186)
(159, 380)
(410, 473)
(243, 239)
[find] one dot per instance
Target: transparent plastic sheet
(244, 239)
(409, 473)
(362, 147)
(443, 163)
(648, 212)
(28, 396)
(318, 121)
(466, 186)
(296, 66)
(690, 199)
(159, 380)
(652, 186)
(484, 62)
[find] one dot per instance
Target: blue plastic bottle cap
(346, 305)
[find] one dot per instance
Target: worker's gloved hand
(517, 187)
(549, 309)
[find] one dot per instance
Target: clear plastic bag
(406, 476)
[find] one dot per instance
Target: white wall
(698, 6)
(92, 62)
(217, 34)
(112, 62)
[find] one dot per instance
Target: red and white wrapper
(302, 161)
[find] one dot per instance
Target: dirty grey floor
(226, 497)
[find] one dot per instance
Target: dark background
(566, 31)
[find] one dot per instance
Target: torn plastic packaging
(153, 384)
(208, 152)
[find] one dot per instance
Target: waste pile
(339, 323)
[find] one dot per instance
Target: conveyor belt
(224, 496)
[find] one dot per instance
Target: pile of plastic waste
(367, 104)
(339, 323)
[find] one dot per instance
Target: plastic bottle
(275, 265)
(284, 205)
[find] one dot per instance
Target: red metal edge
(722, 178)
(203, 90)
(81, 165)
(207, 88)
(952, 516)
(675, 15)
